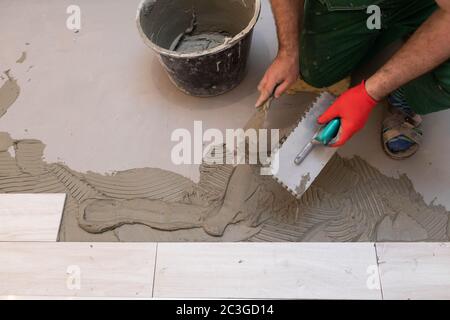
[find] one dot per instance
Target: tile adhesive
(9, 92)
(349, 201)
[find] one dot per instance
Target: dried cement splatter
(303, 183)
(22, 58)
(349, 201)
(9, 92)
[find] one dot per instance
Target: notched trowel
(304, 154)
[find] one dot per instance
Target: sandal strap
(394, 121)
(397, 117)
(416, 120)
(406, 130)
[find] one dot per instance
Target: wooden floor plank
(255, 270)
(30, 217)
(414, 270)
(77, 269)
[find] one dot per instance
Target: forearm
(287, 15)
(284, 70)
(427, 48)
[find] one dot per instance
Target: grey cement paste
(9, 92)
(199, 42)
(194, 26)
(191, 40)
(349, 201)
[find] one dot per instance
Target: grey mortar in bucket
(203, 44)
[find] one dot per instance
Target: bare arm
(287, 14)
(427, 48)
(284, 70)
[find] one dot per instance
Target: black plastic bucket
(203, 44)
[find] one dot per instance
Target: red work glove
(353, 107)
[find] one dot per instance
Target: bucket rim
(217, 49)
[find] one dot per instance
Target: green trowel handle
(329, 132)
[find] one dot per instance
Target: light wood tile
(12, 297)
(77, 269)
(30, 217)
(414, 270)
(252, 270)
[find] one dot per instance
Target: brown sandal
(401, 126)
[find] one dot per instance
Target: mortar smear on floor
(22, 58)
(350, 201)
(9, 92)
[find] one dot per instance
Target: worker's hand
(283, 73)
(353, 108)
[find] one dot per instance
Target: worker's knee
(317, 78)
(430, 92)
(442, 76)
(315, 82)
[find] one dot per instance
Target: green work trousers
(336, 39)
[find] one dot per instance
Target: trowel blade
(298, 178)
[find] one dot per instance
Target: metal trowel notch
(297, 177)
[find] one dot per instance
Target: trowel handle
(329, 132)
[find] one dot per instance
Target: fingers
(266, 88)
(344, 135)
(282, 88)
(328, 115)
(262, 98)
(262, 83)
(277, 78)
